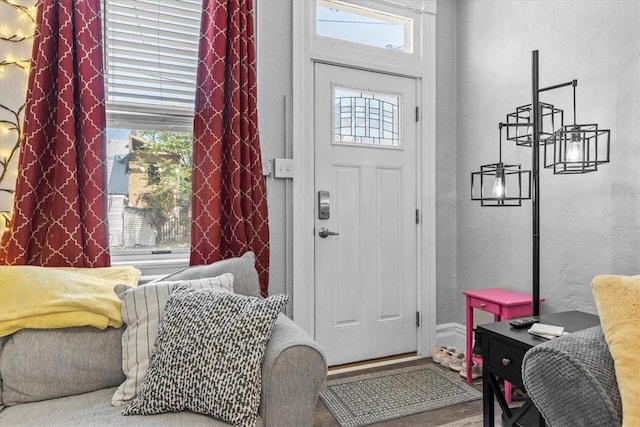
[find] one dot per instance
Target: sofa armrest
(293, 370)
(572, 381)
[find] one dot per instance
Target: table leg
(469, 351)
(488, 415)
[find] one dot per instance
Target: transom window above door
(366, 118)
(362, 25)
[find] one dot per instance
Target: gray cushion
(243, 269)
(208, 355)
(94, 409)
(39, 364)
(571, 380)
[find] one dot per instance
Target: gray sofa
(572, 381)
(66, 377)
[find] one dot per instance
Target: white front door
(365, 183)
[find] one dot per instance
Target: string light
(25, 28)
(4, 216)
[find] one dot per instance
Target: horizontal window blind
(151, 52)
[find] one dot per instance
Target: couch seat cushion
(94, 409)
(40, 364)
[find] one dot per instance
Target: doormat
(379, 396)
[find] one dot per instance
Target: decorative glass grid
(366, 118)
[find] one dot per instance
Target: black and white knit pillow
(208, 356)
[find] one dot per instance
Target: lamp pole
(535, 184)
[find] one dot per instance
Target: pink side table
(504, 304)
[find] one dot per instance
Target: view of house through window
(149, 190)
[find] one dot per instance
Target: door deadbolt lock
(324, 205)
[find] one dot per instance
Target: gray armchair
(572, 381)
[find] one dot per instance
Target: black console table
(503, 348)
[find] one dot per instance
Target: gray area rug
(379, 396)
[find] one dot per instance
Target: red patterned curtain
(60, 209)
(229, 197)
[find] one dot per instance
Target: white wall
(275, 84)
(590, 224)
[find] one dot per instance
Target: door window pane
(369, 118)
(364, 26)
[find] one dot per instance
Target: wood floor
(453, 415)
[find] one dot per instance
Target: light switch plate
(283, 168)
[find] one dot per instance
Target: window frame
(368, 12)
(153, 262)
(331, 50)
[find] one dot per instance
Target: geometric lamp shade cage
(501, 185)
(551, 118)
(577, 149)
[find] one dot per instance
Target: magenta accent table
(504, 304)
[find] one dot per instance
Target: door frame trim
(303, 183)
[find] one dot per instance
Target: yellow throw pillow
(618, 302)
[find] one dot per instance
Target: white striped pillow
(142, 310)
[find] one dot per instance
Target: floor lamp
(566, 149)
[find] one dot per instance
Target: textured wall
(590, 224)
(446, 231)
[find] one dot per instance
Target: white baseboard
(451, 334)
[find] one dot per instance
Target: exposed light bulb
(498, 184)
(574, 148)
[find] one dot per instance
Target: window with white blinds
(151, 50)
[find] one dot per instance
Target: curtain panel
(229, 205)
(60, 206)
